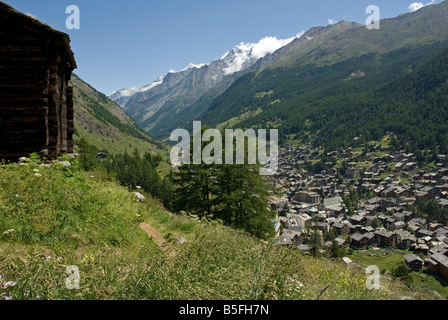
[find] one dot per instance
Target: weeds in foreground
(55, 217)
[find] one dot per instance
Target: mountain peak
(240, 56)
(236, 59)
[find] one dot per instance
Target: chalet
(397, 225)
(421, 233)
(422, 223)
(442, 232)
(358, 241)
(433, 226)
(341, 229)
(438, 263)
(361, 241)
(368, 229)
(352, 172)
(390, 220)
(377, 202)
(421, 248)
(354, 228)
(413, 262)
(399, 216)
(402, 192)
(358, 220)
(385, 238)
(405, 239)
(342, 243)
(36, 103)
(408, 215)
(419, 195)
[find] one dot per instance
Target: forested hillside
(404, 91)
(102, 122)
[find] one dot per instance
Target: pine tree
(236, 194)
(240, 199)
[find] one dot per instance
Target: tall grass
(60, 216)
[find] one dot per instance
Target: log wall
(36, 103)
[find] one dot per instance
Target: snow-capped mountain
(236, 59)
(177, 90)
(121, 96)
(246, 54)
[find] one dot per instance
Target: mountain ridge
(158, 109)
(104, 124)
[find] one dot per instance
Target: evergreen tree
(241, 199)
(236, 194)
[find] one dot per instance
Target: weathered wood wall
(36, 104)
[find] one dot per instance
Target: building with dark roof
(438, 263)
(413, 262)
(36, 103)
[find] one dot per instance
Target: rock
(140, 197)
(65, 163)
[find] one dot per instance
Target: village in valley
(367, 199)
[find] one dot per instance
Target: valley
(353, 176)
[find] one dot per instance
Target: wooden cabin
(36, 103)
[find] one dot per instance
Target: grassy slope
(67, 217)
(103, 123)
(386, 259)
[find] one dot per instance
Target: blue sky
(121, 44)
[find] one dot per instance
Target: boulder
(140, 197)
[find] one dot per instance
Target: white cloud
(269, 45)
(32, 15)
(418, 5)
(245, 52)
(300, 34)
(331, 21)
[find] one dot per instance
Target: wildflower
(17, 196)
(36, 170)
(37, 297)
(38, 175)
(10, 284)
(4, 296)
